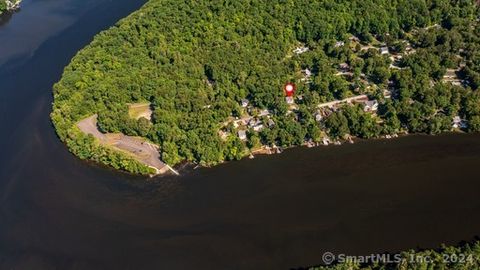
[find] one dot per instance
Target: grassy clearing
(139, 110)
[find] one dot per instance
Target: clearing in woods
(139, 110)
(138, 148)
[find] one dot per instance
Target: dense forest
(466, 257)
(195, 61)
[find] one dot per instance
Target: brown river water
(272, 212)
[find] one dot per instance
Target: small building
(384, 50)
(300, 50)
(254, 122)
(289, 100)
(371, 106)
(354, 39)
(270, 123)
(387, 93)
(339, 44)
(223, 135)
(258, 128)
(318, 117)
(459, 123)
(245, 103)
(307, 73)
(264, 112)
(344, 67)
(450, 74)
(242, 135)
(457, 83)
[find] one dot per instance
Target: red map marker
(290, 89)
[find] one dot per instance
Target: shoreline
(109, 140)
(352, 140)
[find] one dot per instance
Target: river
(272, 212)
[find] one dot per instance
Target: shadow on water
(4, 18)
(57, 212)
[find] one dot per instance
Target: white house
(264, 112)
(459, 122)
(300, 50)
(371, 106)
(354, 39)
(242, 135)
(307, 73)
(271, 123)
(384, 50)
(258, 127)
(253, 122)
(245, 103)
(339, 44)
(289, 100)
(344, 67)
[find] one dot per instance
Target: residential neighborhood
(364, 92)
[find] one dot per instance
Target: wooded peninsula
(213, 75)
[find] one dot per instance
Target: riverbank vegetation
(6, 5)
(3, 6)
(459, 258)
(214, 72)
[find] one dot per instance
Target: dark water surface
(273, 212)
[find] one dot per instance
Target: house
(354, 39)
(371, 106)
(318, 117)
(339, 44)
(242, 135)
(450, 74)
(258, 127)
(223, 135)
(384, 50)
(387, 93)
(300, 50)
(264, 113)
(270, 123)
(459, 123)
(245, 103)
(289, 100)
(254, 122)
(457, 83)
(306, 74)
(344, 67)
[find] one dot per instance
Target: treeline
(466, 257)
(196, 60)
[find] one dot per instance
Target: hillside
(214, 73)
